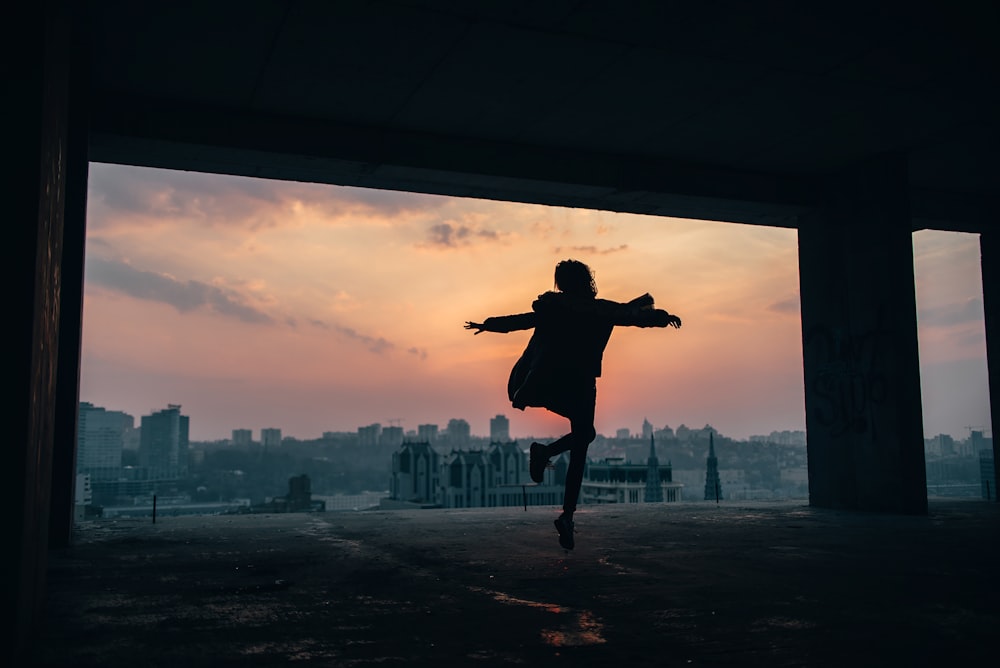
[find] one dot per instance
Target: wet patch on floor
(576, 627)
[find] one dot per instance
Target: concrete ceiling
(727, 110)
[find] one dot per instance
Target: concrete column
(862, 379)
(71, 303)
(989, 242)
(34, 206)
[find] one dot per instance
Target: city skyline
(317, 308)
(244, 435)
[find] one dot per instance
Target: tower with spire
(713, 486)
(654, 486)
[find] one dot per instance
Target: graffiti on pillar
(847, 387)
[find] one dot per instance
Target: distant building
(355, 502)
(298, 500)
(368, 436)
(795, 437)
(270, 437)
(100, 436)
(497, 476)
(623, 434)
(713, 486)
(464, 479)
(427, 433)
(613, 480)
(506, 462)
(83, 497)
(977, 442)
(647, 430)
(499, 429)
(665, 434)
(459, 433)
(654, 488)
(391, 437)
(987, 475)
(737, 487)
(786, 437)
(415, 471)
(242, 437)
(941, 445)
(163, 444)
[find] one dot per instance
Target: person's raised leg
(539, 454)
(582, 435)
(538, 459)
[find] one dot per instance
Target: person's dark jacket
(568, 344)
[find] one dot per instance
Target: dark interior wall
(71, 296)
(37, 151)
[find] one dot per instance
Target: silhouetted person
(559, 367)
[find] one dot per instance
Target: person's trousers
(580, 411)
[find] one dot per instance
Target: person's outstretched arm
(640, 313)
(503, 323)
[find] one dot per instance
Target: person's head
(575, 278)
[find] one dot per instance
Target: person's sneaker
(565, 529)
(537, 461)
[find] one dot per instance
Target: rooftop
(738, 583)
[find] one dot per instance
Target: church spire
(713, 486)
(654, 486)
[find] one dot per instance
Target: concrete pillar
(862, 379)
(35, 148)
(71, 298)
(989, 242)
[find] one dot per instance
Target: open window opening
(239, 332)
(958, 443)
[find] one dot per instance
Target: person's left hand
(478, 326)
(673, 321)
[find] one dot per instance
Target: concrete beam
(155, 133)
(160, 134)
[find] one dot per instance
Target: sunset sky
(312, 308)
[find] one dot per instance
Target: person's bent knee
(587, 435)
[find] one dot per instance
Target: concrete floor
(694, 584)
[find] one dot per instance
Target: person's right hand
(478, 326)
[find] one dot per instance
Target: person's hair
(575, 278)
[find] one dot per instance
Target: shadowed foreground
(776, 584)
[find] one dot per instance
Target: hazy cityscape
(125, 466)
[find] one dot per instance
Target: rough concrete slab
(734, 584)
